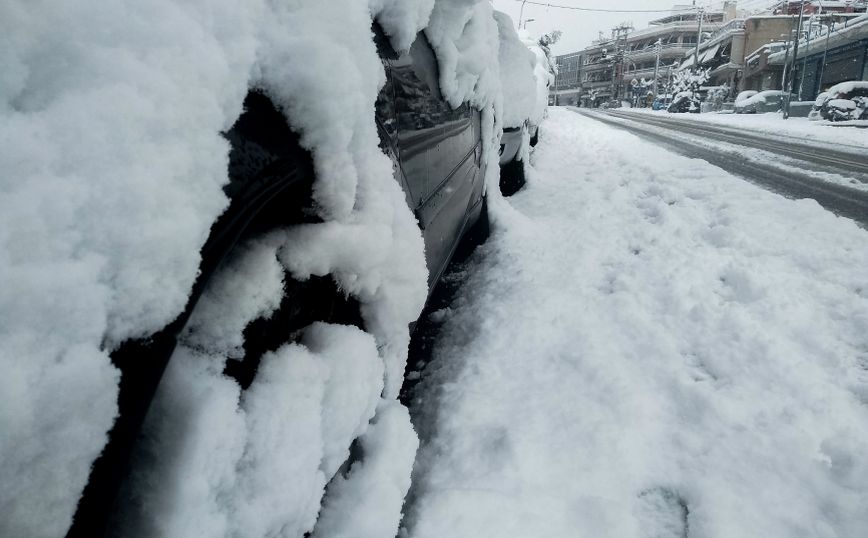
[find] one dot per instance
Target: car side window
(384, 108)
(433, 138)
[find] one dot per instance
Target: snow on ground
(647, 345)
(772, 123)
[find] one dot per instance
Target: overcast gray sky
(580, 27)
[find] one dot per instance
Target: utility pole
(619, 36)
(805, 61)
(786, 61)
(700, 15)
(669, 84)
(557, 72)
(792, 76)
(658, 46)
(825, 53)
(521, 12)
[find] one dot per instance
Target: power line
(601, 10)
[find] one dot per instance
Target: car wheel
(271, 179)
(535, 138)
(512, 177)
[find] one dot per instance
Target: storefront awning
(709, 54)
(686, 64)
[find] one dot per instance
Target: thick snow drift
(112, 166)
(694, 358)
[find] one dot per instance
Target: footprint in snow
(662, 513)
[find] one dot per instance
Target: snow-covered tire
(512, 177)
(267, 193)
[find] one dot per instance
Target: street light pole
(792, 76)
(807, 51)
(825, 54)
(700, 16)
(784, 71)
(521, 12)
(658, 46)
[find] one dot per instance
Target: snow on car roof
(849, 86)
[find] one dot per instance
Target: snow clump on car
(114, 165)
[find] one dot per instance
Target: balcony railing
(663, 29)
(599, 64)
(669, 49)
(594, 83)
(647, 73)
(731, 27)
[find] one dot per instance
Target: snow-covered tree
(545, 42)
(718, 95)
(689, 81)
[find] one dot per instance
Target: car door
(439, 153)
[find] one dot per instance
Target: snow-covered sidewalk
(648, 345)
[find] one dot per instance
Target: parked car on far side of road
(764, 101)
(821, 99)
(845, 101)
(747, 94)
(684, 102)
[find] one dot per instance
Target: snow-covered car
(762, 102)
(436, 153)
(684, 102)
(525, 80)
(745, 95)
(846, 101)
(512, 148)
(815, 113)
(221, 223)
(511, 143)
(544, 77)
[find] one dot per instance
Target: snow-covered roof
(851, 30)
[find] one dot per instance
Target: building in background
(597, 71)
(828, 54)
(758, 73)
(613, 66)
(677, 34)
(741, 51)
(567, 88)
(737, 54)
(725, 51)
(792, 7)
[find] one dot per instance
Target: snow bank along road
(834, 174)
(648, 346)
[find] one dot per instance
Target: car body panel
(439, 153)
(510, 144)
